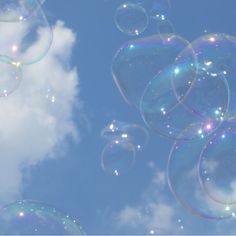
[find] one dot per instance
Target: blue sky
(73, 180)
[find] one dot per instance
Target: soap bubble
(217, 165)
(138, 61)
(131, 19)
(118, 157)
(203, 102)
(10, 77)
(215, 53)
(34, 218)
(183, 179)
(133, 133)
(26, 41)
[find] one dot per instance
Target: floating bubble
(215, 53)
(34, 218)
(135, 134)
(217, 166)
(131, 19)
(206, 96)
(183, 179)
(118, 157)
(138, 61)
(26, 41)
(17, 10)
(10, 79)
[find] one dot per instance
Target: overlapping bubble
(183, 179)
(217, 165)
(138, 61)
(10, 78)
(35, 218)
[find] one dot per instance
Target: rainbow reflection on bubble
(34, 218)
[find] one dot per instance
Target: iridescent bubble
(17, 10)
(160, 9)
(131, 19)
(217, 165)
(206, 96)
(133, 133)
(215, 53)
(34, 218)
(138, 61)
(118, 157)
(10, 79)
(183, 179)
(26, 41)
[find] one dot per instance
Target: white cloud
(154, 214)
(38, 115)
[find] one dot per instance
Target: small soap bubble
(131, 19)
(118, 157)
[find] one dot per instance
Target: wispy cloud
(38, 115)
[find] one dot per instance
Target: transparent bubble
(138, 61)
(26, 41)
(168, 115)
(10, 79)
(17, 10)
(131, 19)
(217, 165)
(135, 134)
(183, 179)
(215, 53)
(118, 157)
(34, 218)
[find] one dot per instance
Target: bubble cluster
(123, 142)
(35, 218)
(186, 91)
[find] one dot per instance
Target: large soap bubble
(27, 40)
(131, 19)
(138, 61)
(215, 53)
(217, 165)
(34, 218)
(183, 179)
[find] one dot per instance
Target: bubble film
(34, 218)
(19, 38)
(118, 157)
(217, 165)
(183, 179)
(131, 19)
